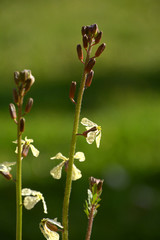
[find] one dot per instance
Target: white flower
(32, 198)
(26, 144)
(56, 172)
(5, 169)
(93, 131)
(50, 227)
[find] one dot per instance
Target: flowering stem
(90, 223)
(19, 178)
(72, 149)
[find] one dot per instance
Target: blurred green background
(124, 99)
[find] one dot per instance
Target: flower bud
(79, 52)
(100, 50)
(98, 37)
(29, 105)
(83, 30)
(90, 65)
(15, 95)
(29, 83)
(16, 77)
(12, 111)
(72, 91)
(85, 41)
(24, 75)
(98, 182)
(25, 150)
(89, 79)
(94, 29)
(22, 124)
(7, 175)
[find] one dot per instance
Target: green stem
(72, 150)
(19, 179)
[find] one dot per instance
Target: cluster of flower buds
(94, 192)
(24, 80)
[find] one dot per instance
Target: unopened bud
(89, 79)
(80, 52)
(22, 124)
(7, 175)
(24, 75)
(29, 105)
(15, 95)
(94, 29)
(85, 41)
(90, 65)
(100, 50)
(25, 150)
(72, 91)
(98, 182)
(98, 37)
(16, 77)
(29, 83)
(51, 226)
(83, 30)
(12, 111)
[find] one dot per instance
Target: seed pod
(24, 75)
(89, 79)
(29, 105)
(85, 41)
(90, 65)
(25, 150)
(15, 95)
(12, 111)
(98, 37)
(79, 52)
(16, 77)
(72, 91)
(22, 124)
(83, 30)
(100, 50)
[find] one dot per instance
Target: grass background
(124, 99)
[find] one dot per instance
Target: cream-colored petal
(26, 192)
(76, 173)
(8, 164)
(80, 156)
(86, 122)
(48, 234)
(91, 137)
(28, 141)
(34, 151)
(54, 222)
(98, 139)
(44, 204)
(60, 156)
(30, 201)
(56, 172)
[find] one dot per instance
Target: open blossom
(26, 145)
(93, 131)
(5, 169)
(56, 172)
(31, 198)
(50, 227)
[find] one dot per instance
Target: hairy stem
(19, 179)
(90, 223)
(72, 150)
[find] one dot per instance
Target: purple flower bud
(72, 91)
(29, 105)
(89, 79)
(22, 124)
(98, 37)
(12, 111)
(15, 95)
(90, 65)
(100, 50)
(79, 52)
(85, 41)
